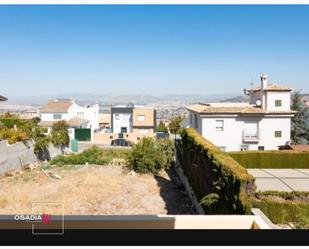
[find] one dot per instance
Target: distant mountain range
(237, 99)
(122, 99)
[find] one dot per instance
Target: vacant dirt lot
(94, 190)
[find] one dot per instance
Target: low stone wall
(17, 156)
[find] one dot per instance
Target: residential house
(262, 124)
(133, 119)
(78, 117)
(30, 114)
(105, 121)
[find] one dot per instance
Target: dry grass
(83, 190)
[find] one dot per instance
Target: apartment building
(262, 124)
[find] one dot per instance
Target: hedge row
(285, 211)
(272, 159)
(219, 182)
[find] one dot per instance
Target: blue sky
(158, 49)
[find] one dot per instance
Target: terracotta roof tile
(271, 87)
(57, 105)
(229, 109)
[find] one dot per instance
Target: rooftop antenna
(251, 83)
(246, 92)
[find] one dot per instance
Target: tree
(174, 125)
(299, 129)
(151, 155)
(161, 127)
(59, 134)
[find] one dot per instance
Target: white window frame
(141, 117)
(221, 127)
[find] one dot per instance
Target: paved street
(281, 179)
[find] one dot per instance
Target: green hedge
(272, 159)
(219, 182)
(285, 211)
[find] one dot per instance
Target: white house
(66, 109)
(262, 124)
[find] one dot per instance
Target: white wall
(268, 126)
(124, 120)
(232, 136)
(50, 117)
(91, 113)
(272, 96)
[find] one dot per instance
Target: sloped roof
(76, 121)
(73, 122)
(271, 87)
(57, 105)
(231, 108)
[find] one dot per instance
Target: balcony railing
(250, 137)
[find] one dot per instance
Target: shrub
(151, 155)
(13, 135)
(94, 155)
(218, 181)
(59, 134)
(272, 159)
(284, 211)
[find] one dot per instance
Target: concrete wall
(106, 138)
(18, 155)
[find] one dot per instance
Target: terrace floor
(281, 179)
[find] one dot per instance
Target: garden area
(101, 182)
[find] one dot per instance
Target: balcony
(251, 137)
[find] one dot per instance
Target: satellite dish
(258, 102)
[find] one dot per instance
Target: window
(141, 117)
(278, 103)
(278, 133)
(195, 121)
(261, 148)
(244, 147)
(57, 116)
(219, 125)
(117, 116)
(191, 119)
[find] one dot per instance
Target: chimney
(263, 82)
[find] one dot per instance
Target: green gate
(83, 134)
(74, 145)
